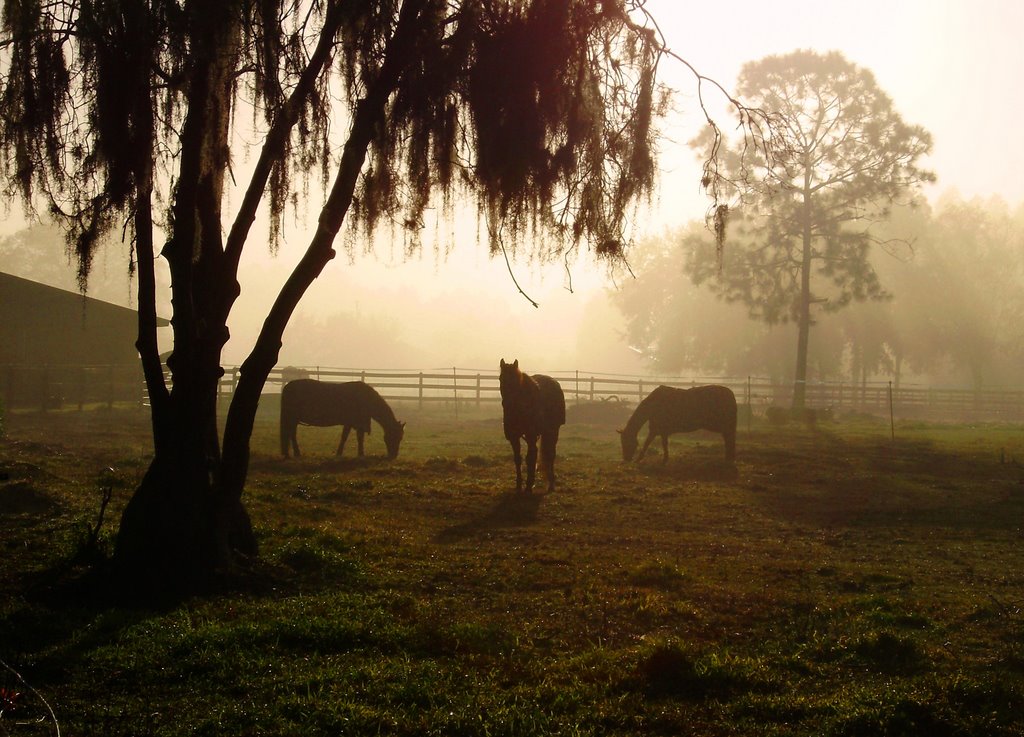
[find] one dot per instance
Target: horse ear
(515, 363)
(503, 364)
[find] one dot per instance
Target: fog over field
(950, 67)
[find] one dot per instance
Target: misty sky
(950, 66)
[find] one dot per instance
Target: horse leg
(294, 436)
(359, 440)
(531, 461)
(664, 448)
(517, 456)
(344, 436)
(548, 441)
(286, 431)
(647, 444)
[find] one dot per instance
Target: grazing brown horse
(322, 404)
(533, 407)
(669, 410)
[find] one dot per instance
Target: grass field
(832, 582)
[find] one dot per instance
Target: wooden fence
(50, 387)
(478, 388)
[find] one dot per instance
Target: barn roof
(40, 324)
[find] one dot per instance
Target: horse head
(629, 443)
(510, 377)
(393, 435)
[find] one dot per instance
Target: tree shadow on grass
(511, 510)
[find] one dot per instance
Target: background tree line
(948, 304)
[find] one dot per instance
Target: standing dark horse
(533, 407)
(670, 410)
(322, 404)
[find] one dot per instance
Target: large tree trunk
(173, 536)
(168, 530)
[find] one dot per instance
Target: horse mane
(638, 418)
(380, 410)
(642, 413)
(523, 379)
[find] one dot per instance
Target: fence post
(639, 390)
(478, 391)
(455, 391)
(591, 388)
(421, 390)
(892, 421)
(750, 404)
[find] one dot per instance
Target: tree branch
(274, 145)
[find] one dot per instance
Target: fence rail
(480, 387)
(50, 387)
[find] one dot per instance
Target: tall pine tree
(801, 237)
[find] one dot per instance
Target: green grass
(831, 583)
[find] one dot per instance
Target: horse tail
(729, 434)
(548, 441)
